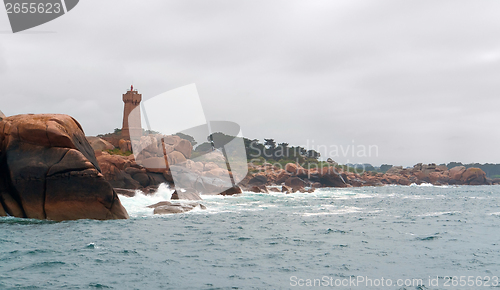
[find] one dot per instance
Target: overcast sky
(418, 79)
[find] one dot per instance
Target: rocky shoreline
(127, 175)
(294, 178)
(50, 170)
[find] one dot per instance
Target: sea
(390, 237)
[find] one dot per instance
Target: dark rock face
(126, 192)
(258, 180)
(259, 189)
(282, 177)
(331, 178)
(232, 191)
(295, 183)
(48, 170)
(124, 172)
(187, 195)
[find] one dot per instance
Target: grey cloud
(405, 76)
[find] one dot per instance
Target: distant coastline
(280, 167)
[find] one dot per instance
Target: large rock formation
(456, 172)
(48, 170)
(474, 176)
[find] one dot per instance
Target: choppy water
(267, 241)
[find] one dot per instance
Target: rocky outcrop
(184, 147)
(258, 189)
(291, 168)
(474, 176)
(295, 178)
(99, 144)
(456, 172)
(295, 183)
(330, 177)
(232, 191)
(166, 207)
(124, 145)
(48, 170)
(176, 149)
(124, 172)
(258, 180)
(148, 167)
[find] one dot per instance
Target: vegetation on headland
(269, 151)
(275, 153)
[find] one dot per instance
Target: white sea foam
(416, 197)
(343, 210)
(250, 201)
(422, 185)
(137, 206)
(432, 185)
(438, 213)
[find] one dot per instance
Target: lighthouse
(131, 117)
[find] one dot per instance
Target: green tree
(270, 148)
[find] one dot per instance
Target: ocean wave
(343, 210)
(421, 185)
(432, 185)
(136, 206)
(438, 213)
(259, 237)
